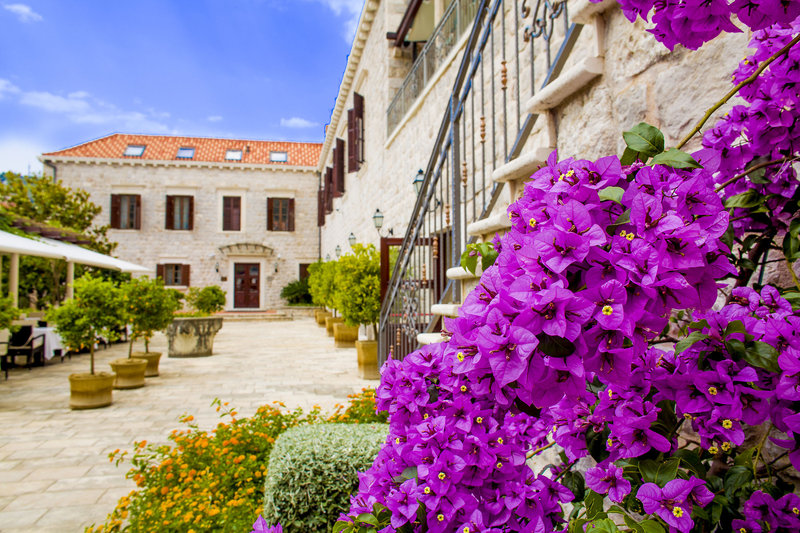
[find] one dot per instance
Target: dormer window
(185, 153)
(233, 155)
(278, 157)
(134, 150)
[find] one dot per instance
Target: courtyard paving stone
(54, 469)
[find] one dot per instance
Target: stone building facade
(235, 213)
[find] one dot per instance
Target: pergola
(15, 246)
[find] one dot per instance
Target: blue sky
(76, 70)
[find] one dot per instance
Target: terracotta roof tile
(165, 148)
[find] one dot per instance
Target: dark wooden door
(246, 285)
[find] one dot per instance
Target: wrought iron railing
(455, 21)
(483, 127)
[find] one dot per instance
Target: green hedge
(313, 471)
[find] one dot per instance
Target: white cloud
(6, 87)
(19, 155)
(79, 94)
(25, 13)
(214, 118)
(54, 103)
(349, 8)
(297, 122)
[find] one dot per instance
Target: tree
(149, 307)
(358, 287)
(322, 284)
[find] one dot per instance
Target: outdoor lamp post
(419, 179)
(377, 219)
(351, 239)
(338, 250)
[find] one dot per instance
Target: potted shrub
(315, 291)
(150, 307)
(359, 299)
(192, 334)
(94, 313)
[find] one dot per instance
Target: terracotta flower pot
(130, 372)
(367, 359)
(330, 321)
(152, 359)
(88, 391)
(345, 336)
(320, 315)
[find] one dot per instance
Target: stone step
(254, 316)
(523, 166)
(429, 338)
(489, 225)
(449, 310)
(567, 84)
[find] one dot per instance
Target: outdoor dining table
(52, 341)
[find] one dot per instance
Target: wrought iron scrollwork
(544, 17)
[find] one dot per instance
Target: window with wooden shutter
(126, 211)
(179, 213)
(115, 211)
(174, 274)
(185, 270)
(231, 213)
(355, 134)
(352, 162)
(280, 214)
(137, 212)
(338, 168)
(160, 271)
(290, 226)
(321, 207)
(329, 190)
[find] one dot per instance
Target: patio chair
(24, 342)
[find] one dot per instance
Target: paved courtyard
(55, 475)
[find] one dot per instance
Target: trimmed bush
(314, 469)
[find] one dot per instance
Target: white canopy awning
(41, 247)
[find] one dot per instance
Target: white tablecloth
(52, 341)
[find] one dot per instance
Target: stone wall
(153, 244)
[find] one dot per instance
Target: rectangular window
(180, 213)
(233, 155)
(278, 157)
(280, 214)
(185, 153)
(231, 213)
(134, 150)
(126, 211)
(174, 274)
(355, 134)
(338, 168)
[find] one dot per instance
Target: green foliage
(8, 313)
(312, 472)
(644, 141)
(486, 251)
(212, 480)
(358, 285)
(149, 307)
(207, 300)
(322, 284)
(296, 292)
(96, 311)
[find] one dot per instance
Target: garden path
(55, 475)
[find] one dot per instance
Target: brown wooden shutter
(270, 214)
(321, 207)
(191, 212)
(169, 213)
(160, 271)
(329, 190)
(185, 274)
(338, 168)
(116, 211)
(290, 214)
(236, 213)
(358, 115)
(226, 213)
(352, 162)
(137, 223)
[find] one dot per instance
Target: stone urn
(152, 358)
(367, 352)
(330, 321)
(345, 336)
(192, 336)
(88, 391)
(129, 371)
(320, 315)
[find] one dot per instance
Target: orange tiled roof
(165, 148)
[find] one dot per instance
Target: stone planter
(330, 321)
(88, 391)
(367, 359)
(345, 336)
(193, 336)
(130, 372)
(320, 315)
(152, 359)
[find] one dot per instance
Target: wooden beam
(407, 21)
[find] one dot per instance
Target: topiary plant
(149, 307)
(207, 300)
(296, 292)
(322, 284)
(358, 287)
(96, 312)
(312, 471)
